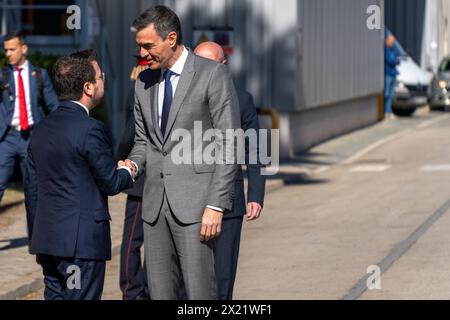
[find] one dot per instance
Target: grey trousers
(173, 249)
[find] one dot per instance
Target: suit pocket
(204, 168)
(101, 215)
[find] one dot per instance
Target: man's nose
(143, 53)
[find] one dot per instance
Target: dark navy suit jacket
(256, 181)
(39, 107)
(71, 170)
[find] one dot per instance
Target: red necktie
(23, 114)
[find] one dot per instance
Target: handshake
(128, 164)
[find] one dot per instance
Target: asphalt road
(385, 208)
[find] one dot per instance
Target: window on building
(45, 18)
(36, 17)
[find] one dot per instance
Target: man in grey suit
(183, 202)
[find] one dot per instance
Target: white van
(412, 87)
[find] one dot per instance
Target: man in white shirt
(27, 95)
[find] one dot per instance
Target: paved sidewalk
(21, 277)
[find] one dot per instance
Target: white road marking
(428, 123)
(435, 167)
(373, 146)
(370, 168)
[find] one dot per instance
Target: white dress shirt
(15, 123)
(177, 69)
(81, 105)
(87, 111)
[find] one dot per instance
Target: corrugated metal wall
(342, 58)
(405, 18)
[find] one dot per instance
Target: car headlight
(401, 88)
(443, 84)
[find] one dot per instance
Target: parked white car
(412, 87)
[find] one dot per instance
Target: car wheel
(403, 112)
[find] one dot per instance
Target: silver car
(440, 87)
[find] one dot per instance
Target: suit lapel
(154, 108)
(12, 85)
(182, 88)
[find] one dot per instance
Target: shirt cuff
(137, 168)
(129, 171)
(215, 208)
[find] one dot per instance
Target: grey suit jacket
(205, 95)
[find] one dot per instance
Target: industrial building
(316, 63)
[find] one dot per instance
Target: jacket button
(164, 154)
(161, 175)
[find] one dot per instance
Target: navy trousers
(133, 276)
(226, 257)
(72, 279)
(13, 148)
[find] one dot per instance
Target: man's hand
(211, 224)
(127, 163)
(253, 211)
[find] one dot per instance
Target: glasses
(102, 76)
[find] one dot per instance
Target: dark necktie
(23, 114)
(168, 96)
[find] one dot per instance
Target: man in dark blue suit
(26, 95)
(227, 250)
(71, 171)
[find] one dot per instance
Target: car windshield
(445, 65)
(399, 49)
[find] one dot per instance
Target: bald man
(227, 251)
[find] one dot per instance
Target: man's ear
(172, 37)
(87, 89)
(24, 49)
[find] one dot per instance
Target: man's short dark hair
(71, 72)
(163, 19)
(15, 34)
